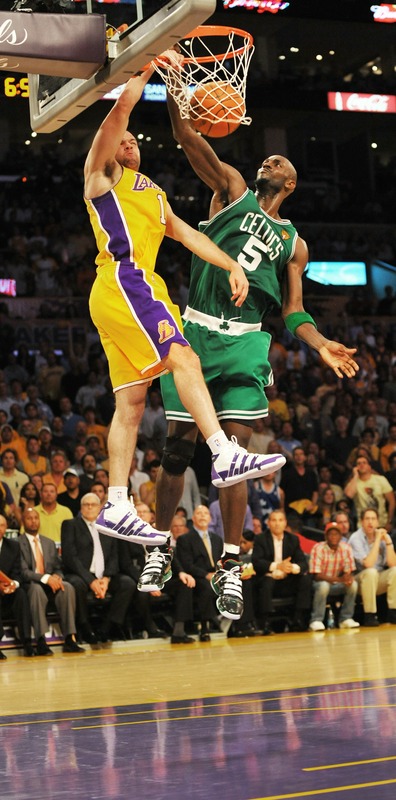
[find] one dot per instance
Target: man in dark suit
(282, 571)
(43, 579)
(131, 557)
(90, 560)
(13, 599)
(174, 582)
(198, 552)
(178, 586)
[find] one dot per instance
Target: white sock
(230, 550)
(217, 441)
(118, 494)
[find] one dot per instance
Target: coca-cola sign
(352, 101)
(385, 12)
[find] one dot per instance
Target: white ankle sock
(230, 550)
(217, 441)
(118, 494)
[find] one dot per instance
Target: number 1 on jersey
(162, 209)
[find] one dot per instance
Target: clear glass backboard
(153, 25)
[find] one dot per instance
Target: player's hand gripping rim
(170, 59)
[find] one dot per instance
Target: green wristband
(292, 321)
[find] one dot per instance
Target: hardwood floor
(286, 716)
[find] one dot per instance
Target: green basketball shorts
(236, 371)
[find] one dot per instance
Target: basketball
(216, 109)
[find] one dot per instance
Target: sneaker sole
(157, 538)
(228, 614)
(154, 587)
(348, 627)
(266, 469)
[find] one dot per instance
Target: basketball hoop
(211, 54)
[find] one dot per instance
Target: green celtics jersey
(261, 245)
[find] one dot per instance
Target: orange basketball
(216, 109)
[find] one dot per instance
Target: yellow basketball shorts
(136, 321)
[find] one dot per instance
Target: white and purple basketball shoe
(121, 521)
(234, 464)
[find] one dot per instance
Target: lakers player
(140, 328)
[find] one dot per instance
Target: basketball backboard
(158, 24)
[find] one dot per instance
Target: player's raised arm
(303, 326)
(101, 169)
(225, 181)
(109, 135)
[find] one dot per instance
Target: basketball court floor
(289, 716)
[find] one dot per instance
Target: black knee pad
(177, 455)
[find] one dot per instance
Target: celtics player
(231, 343)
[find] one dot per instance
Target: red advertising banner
(354, 101)
(384, 12)
(273, 6)
(8, 286)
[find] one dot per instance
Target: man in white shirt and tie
(90, 561)
(198, 552)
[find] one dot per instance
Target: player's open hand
(339, 358)
(239, 285)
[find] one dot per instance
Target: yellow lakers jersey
(129, 221)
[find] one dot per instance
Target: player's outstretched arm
(303, 326)
(225, 181)
(202, 246)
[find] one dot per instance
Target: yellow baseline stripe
(349, 764)
(228, 702)
(155, 719)
(317, 792)
(260, 712)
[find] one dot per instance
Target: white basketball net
(202, 66)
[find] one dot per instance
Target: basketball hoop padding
(52, 44)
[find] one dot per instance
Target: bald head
(31, 521)
(276, 175)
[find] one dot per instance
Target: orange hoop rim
(217, 30)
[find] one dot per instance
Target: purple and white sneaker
(121, 521)
(234, 464)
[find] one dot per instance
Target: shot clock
(16, 87)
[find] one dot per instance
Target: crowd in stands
(338, 436)
(339, 440)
